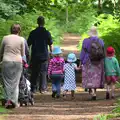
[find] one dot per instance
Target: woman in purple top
(92, 75)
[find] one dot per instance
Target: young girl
(112, 71)
(55, 71)
(69, 80)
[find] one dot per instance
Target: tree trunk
(99, 6)
(114, 3)
(67, 13)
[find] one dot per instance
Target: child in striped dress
(55, 71)
(69, 80)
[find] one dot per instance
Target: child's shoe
(93, 97)
(64, 96)
(54, 94)
(57, 96)
(113, 97)
(107, 95)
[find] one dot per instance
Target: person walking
(112, 71)
(55, 71)
(39, 39)
(92, 60)
(69, 71)
(12, 50)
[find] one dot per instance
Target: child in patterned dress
(112, 71)
(55, 71)
(69, 71)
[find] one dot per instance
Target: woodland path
(81, 108)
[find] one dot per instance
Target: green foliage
(117, 109)
(84, 35)
(80, 17)
(109, 28)
(9, 8)
(28, 22)
(101, 117)
(1, 91)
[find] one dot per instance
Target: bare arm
(77, 68)
(50, 42)
(50, 48)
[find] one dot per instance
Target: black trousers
(39, 75)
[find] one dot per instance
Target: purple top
(84, 56)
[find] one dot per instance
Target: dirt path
(47, 108)
(81, 108)
(69, 44)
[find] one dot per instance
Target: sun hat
(56, 50)
(93, 31)
(110, 51)
(71, 57)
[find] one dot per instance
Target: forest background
(71, 16)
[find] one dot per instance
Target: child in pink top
(55, 71)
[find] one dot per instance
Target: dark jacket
(39, 38)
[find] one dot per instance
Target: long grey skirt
(11, 73)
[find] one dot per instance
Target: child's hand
(77, 68)
(81, 66)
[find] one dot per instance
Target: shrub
(28, 22)
(109, 31)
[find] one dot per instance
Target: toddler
(112, 71)
(69, 71)
(55, 71)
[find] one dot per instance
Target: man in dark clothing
(40, 39)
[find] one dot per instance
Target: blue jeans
(56, 83)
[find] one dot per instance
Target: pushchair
(25, 94)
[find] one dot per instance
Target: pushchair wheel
(21, 104)
(26, 104)
(32, 101)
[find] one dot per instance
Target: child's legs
(108, 80)
(65, 92)
(114, 79)
(113, 88)
(93, 91)
(58, 84)
(72, 93)
(54, 89)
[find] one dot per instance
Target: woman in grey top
(12, 50)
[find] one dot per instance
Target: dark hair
(40, 20)
(15, 29)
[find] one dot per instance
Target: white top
(12, 48)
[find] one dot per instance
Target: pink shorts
(111, 79)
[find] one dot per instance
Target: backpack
(96, 51)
